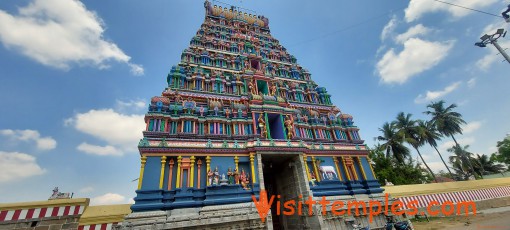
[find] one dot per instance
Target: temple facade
(239, 115)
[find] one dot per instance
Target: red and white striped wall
(456, 197)
(97, 226)
(21, 214)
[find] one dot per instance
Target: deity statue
(236, 176)
(230, 176)
(227, 112)
(273, 89)
(244, 180)
(216, 176)
(312, 178)
(251, 86)
(290, 128)
(201, 110)
(262, 126)
(210, 176)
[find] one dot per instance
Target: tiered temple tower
(238, 115)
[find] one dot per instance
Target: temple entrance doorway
(275, 126)
(283, 176)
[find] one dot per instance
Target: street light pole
(493, 39)
(501, 50)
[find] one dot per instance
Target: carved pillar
(252, 168)
(347, 173)
(178, 179)
(208, 168)
(337, 168)
(305, 159)
(170, 172)
(199, 163)
(142, 168)
(236, 162)
(315, 170)
(361, 167)
(162, 175)
(192, 172)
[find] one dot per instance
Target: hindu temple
(239, 115)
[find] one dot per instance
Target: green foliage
(387, 168)
(503, 154)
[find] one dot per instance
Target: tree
(484, 165)
(386, 169)
(392, 146)
(459, 161)
(431, 137)
(447, 121)
(412, 134)
(503, 154)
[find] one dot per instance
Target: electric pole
(493, 39)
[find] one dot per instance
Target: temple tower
(239, 115)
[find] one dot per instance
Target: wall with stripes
(33, 213)
(106, 226)
(456, 197)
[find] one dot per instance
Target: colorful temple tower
(239, 115)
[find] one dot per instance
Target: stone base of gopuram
(232, 216)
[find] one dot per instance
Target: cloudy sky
(75, 77)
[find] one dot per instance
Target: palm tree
(392, 143)
(459, 160)
(412, 134)
(447, 121)
(431, 137)
(486, 165)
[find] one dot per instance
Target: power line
(467, 8)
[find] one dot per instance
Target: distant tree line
(392, 156)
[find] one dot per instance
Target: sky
(76, 77)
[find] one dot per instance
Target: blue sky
(75, 77)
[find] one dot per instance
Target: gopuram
(238, 115)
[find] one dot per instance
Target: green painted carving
(331, 147)
(258, 143)
(301, 143)
(321, 147)
(209, 144)
(236, 145)
(143, 142)
(163, 143)
(225, 144)
(271, 143)
(289, 144)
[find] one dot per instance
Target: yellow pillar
(236, 161)
(252, 159)
(192, 173)
(337, 168)
(361, 167)
(371, 169)
(207, 168)
(346, 169)
(305, 159)
(142, 168)
(162, 175)
(317, 176)
(178, 179)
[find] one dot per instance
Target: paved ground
(495, 219)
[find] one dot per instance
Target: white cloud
(417, 56)
(60, 34)
(120, 131)
(132, 105)
(432, 95)
(43, 143)
(15, 166)
(471, 83)
(389, 28)
(471, 127)
(417, 8)
(99, 150)
(88, 189)
(108, 198)
(412, 32)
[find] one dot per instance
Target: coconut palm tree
(485, 165)
(431, 137)
(412, 134)
(459, 161)
(447, 122)
(392, 145)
